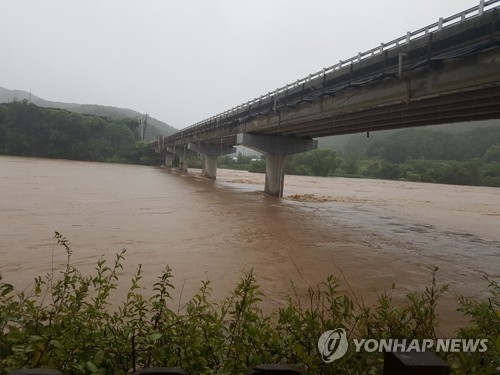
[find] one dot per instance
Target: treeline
(470, 157)
(426, 144)
(313, 163)
(29, 130)
(475, 172)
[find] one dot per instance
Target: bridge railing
(442, 23)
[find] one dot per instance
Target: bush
(258, 166)
(68, 324)
(350, 166)
(313, 163)
(492, 154)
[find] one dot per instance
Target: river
(371, 233)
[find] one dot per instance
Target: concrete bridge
(446, 72)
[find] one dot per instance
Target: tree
(28, 130)
(492, 153)
(314, 163)
(350, 165)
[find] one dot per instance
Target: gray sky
(185, 60)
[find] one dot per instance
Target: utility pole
(143, 124)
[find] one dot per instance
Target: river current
(370, 233)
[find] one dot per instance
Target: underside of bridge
(448, 76)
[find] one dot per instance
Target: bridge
(447, 72)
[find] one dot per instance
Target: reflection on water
(376, 232)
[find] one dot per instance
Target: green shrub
(68, 324)
(258, 166)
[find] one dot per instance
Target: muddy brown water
(374, 232)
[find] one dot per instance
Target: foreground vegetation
(68, 323)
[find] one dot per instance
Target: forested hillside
(29, 130)
(155, 127)
(359, 143)
(465, 154)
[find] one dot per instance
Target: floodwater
(371, 233)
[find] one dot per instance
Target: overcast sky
(184, 60)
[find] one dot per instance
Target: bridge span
(446, 72)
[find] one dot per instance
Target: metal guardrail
(442, 23)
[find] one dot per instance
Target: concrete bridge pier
(183, 163)
(276, 148)
(210, 153)
(210, 166)
(275, 175)
(169, 160)
(183, 153)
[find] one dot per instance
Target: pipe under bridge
(446, 72)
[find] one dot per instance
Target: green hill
(359, 144)
(29, 130)
(155, 127)
(463, 154)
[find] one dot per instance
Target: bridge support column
(276, 148)
(275, 175)
(183, 163)
(210, 166)
(169, 160)
(183, 154)
(210, 152)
